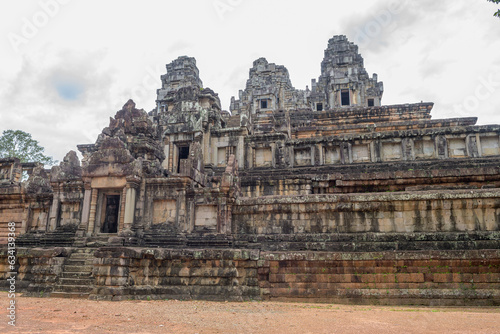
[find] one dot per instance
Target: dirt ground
(53, 315)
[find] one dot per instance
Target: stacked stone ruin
(323, 194)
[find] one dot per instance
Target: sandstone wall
(445, 211)
(11, 213)
(38, 270)
(441, 278)
(419, 277)
(12, 209)
(125, 273)
(444, 278)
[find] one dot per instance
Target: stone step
(89, 259)
(89, 262)
(84, 252)
(163, 240)
(201, 244)
(77, 262)
(77, 269)
(164, 245)
(80, 242)
(77, 281)
(26, 244)
(174, 242)
(46, 240)
(98, 239)
(75, 295)
(58, 243)
(160, 239)
(82, 275)
(82, 255)
(74, 288)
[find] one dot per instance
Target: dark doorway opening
(263, 104)
(183, 155)
(346, 100)
(110, 223)
(319, 107)
(371, 102)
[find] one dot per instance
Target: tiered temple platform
(322, 194)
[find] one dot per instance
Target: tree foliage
(19, 144)
(497, 14)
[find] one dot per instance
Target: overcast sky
(68, 65)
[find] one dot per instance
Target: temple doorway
(183, 155)
(112, 209)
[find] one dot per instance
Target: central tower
(344, 81)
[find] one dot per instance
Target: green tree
(497, 14)
(19, 144)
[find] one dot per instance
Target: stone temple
(323, 194)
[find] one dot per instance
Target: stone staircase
(97, 241)
(152, 239)
(63, 236)
(198, 239)
(76, 280)
(208, 240)
(233, 121)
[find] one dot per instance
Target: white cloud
(36, 104)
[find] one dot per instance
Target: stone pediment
(111, 159)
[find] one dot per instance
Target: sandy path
(53, 315)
